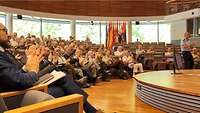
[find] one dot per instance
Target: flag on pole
(123, 34)
(115, 33)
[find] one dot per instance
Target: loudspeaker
(137, 23)
(92, 23)
(19, 16)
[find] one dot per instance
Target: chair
(154, 43)
(17, 96)
(161, 43)
(159, 65)
(47, 104)
(169, 45)
(13, 100)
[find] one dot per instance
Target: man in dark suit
(14, 76)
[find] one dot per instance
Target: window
(144, 32)
(88, 29)
(3, 19)
(56, 28)
(103, 33)
(164, 33)
(26, 25)
(149, 31)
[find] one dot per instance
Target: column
(9, 22)
(158, 33)
(129, 31)
(195, 27)
(73, 28)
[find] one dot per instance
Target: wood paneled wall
(108, 8)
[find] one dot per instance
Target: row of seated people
(158, 48)
(81, 62)
(38, 57)
(52, 42)
(146, 44)
(20, 75)
(166, 57)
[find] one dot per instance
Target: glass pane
(164, 33)
(23, 27)
(144, 33)
(3, 19)
(103, 33)
(56, 29)
(84, 30)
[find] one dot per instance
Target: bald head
(3, 36)
(187, 35)
(119, 48)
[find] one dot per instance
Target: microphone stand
(175, 67)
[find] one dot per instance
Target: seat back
(3, 106)
(71, 108)
(13, 99)
(13, 102)
(67, 104)
(10, 100)
(30, 97)
(33, 96)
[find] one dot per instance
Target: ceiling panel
(108, 8)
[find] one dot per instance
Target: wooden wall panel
(108, 8)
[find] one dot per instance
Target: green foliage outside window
(22, 27)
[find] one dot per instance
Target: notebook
(50, 78)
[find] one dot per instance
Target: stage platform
(170, 92)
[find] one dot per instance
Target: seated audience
(140, 54)
(15, 76)
(150, 50)
(119, 52)
(131, 63)
(195, 54)
(104, 59)
(117, 64)
(196, 58)
(169, 55)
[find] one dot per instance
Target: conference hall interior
(99, 56)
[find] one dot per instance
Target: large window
(88, 29)
(151, 32)
(144, 32)
(26, 25)
(103, 33)
(2, 18)
(164, 33)
(56, 28)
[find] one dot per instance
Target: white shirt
(118, 53)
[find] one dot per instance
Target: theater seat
(30, 97)
(3, 106)
(13, 99)
(33, 96)
(12, 102)
(37, 101)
